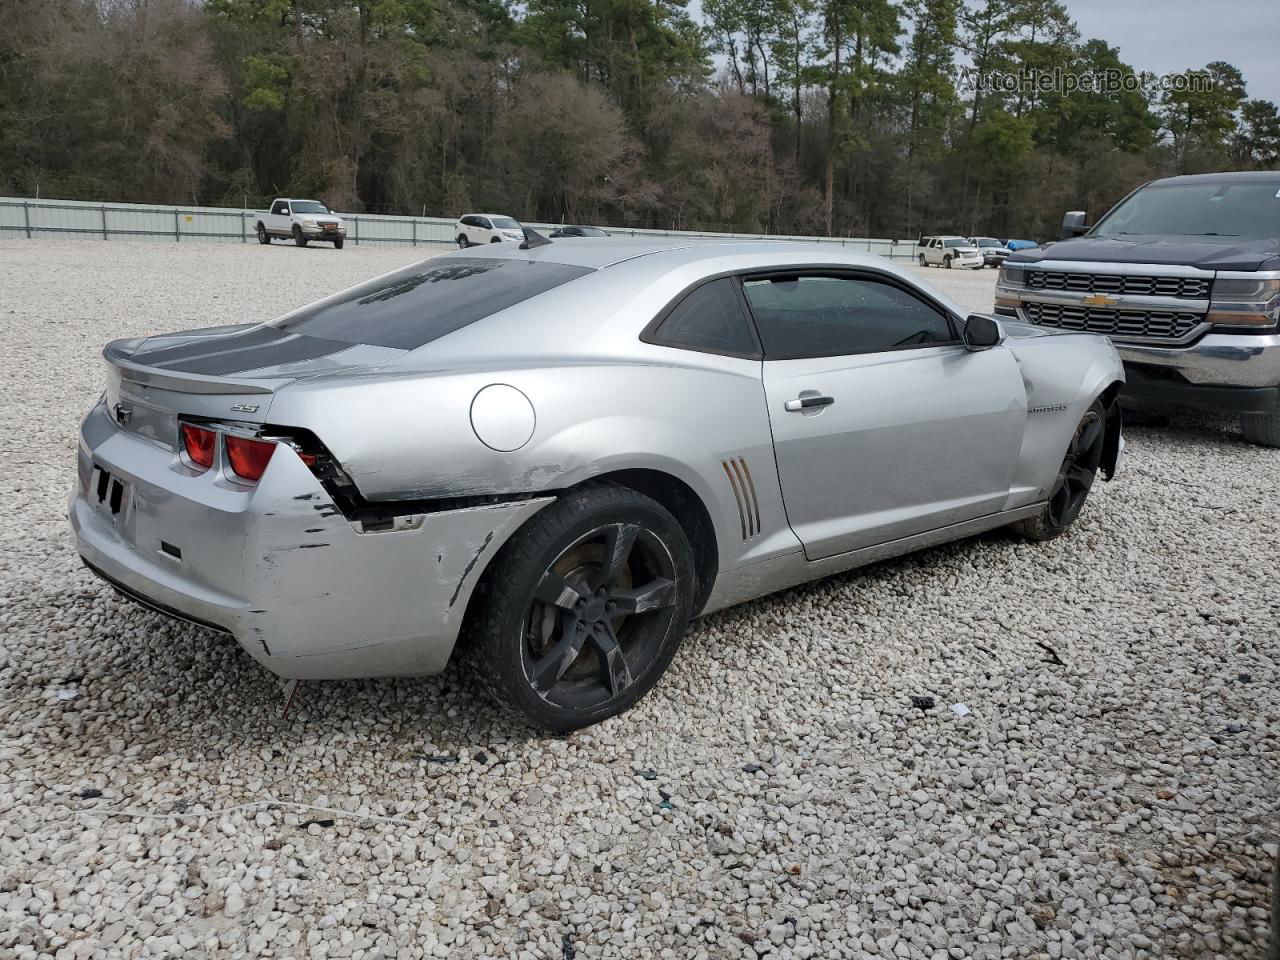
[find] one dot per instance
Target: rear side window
(827, 316)
(426, 301)
(709, 319)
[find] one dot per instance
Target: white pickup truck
(302, 220)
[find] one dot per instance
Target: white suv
(948, 252)
(473, 228)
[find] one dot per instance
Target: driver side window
(825, 315)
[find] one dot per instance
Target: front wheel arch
(1114, 423)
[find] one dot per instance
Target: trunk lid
(222, 373)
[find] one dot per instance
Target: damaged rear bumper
(306, 592)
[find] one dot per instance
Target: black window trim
(954, 323)
(650, 333)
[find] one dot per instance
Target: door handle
(808, 403)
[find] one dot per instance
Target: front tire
(463, 242)
(337, 244)
(583, 609)
(946, 262)
(1261, 428)
(923, 261)
(298, 238)
(1075, 478)
(263, 237)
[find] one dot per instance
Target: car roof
(490, 215)
(1230, 176)
(598, 254)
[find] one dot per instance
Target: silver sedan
(549, 457)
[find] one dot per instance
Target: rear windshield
(423, 302)
(1240, 209)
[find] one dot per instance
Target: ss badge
(244, 408)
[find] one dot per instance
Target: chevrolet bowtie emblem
(1100, 300)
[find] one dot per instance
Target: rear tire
(1261, 428)
(298, 238)
(563, 637)
(263, 237)
(1074, 481)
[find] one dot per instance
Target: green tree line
(839, 117)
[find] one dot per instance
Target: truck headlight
(1011, 275)
(310, 223)
(1009, 281)
(1244, 303)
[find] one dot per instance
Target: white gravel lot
(1113, 791)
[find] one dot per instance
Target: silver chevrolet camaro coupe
(551, 456)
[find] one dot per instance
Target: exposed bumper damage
(277, 565)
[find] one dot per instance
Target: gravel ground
(1112, 791)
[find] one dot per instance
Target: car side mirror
(981, 333)
(1073, 225)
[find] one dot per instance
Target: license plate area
(330, 228)
(109, 493)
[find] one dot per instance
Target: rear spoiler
(117, 355)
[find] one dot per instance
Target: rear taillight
(249, 458)
(199, 444)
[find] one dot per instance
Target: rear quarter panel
(411, 437)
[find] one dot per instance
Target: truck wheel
(1261, 428)
(1075, 478)
(923, 261)
(337, 244)
(298, 238)
(582, 611)
(495, 239)
(463, 242)
(946, 262)
(263, 236)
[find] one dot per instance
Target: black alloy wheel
(584, 608)
(1076, 474)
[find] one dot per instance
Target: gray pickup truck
(1183, 275)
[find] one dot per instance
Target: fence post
(357, 219)
(243, 237)
(415, 232)
(104, 221)
(177, 231)
(26, 217)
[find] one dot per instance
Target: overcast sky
(1169, 36)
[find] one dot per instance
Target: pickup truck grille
(1136, 324)
(1185, 288)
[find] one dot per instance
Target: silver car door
(884, 425)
